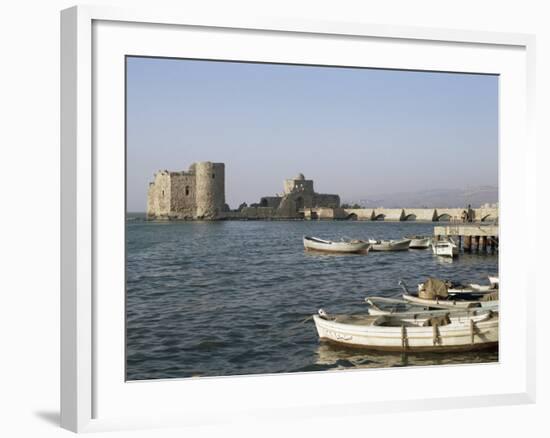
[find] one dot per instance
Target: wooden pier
(471, 237)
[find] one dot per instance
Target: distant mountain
(443, 198)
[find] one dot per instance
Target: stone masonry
(198, 194)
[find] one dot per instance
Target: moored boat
(445, 248)
(453, 302)
(437, 293)
(388, 306)
(389, 245)
(344, 246)
(419, 242)
(434, 332)
(465, 289)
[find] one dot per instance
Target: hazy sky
(355, 132)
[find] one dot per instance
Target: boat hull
(336, 247)
(420, 243)
(391, 245)
(449, 250)
(450, 304)
(452, 337)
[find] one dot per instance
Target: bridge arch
(410, 217)
(351, 217)
(378, 217)
(445, 217)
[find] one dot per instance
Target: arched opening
(186, 190)
(486, 218)
(410, 217)
(379, 217)
(314, 215)
(351, 217)
(444, 217)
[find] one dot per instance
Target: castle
(198, 194)
(298, 194)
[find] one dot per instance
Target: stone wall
(270, 201)
(182, 199)
(323, 200)
(158, 196)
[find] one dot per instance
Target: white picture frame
(93, 397)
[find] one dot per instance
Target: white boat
(447, 331)
(443, 294)
(481, 288)
(389, 245)
(419, 242)
(344, 246)
(493, 279)
(453, 302)
(445, 248)
(465, 289)
(389, 306)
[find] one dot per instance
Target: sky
(356, 132)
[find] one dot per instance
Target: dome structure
(300, 177)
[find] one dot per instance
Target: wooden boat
(389, 245)
(465, 289)
(453, 302)
(445, 248)
(419, 242)
(389, 306)
(441, 294)
(443, 332)
(351, 246)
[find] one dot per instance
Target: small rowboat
(411, 332)
(390, 245)
(419, 242)
(445, 248)
(389, 306)
(452, 302)
(467, 289)
(351, 246)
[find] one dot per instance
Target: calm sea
(228, 298)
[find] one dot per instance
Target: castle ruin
(298, 194)
(198, 194)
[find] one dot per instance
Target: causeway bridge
(489, 214)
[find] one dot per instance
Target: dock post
(483, 243)
(476, 243)
(467, 243)
(459, 242)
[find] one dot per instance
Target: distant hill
(443, 198)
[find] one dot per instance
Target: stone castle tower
(298, 194)
(198, 193)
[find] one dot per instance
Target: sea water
(236, 297)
